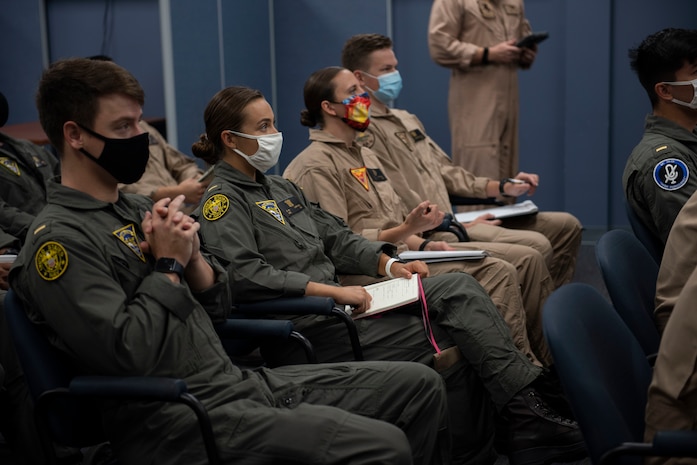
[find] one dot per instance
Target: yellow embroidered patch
(128, 236)
(270, 207)
(10, 165)
(402, 135)
(51, 260)
(360, 175)
(215, 207)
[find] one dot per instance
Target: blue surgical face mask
(692, 104)
(390, 85)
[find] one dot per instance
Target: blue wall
(582, 109)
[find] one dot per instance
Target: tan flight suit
(672, 397)
(323, 170)
(483, 99)
(679, 259)
(166, 167)
(420, 170)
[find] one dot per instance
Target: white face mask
(693, 83)
(268, 152)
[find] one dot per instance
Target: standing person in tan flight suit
(349, 181)
(420, 169)
(476, 40)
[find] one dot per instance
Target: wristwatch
(502, 183)
(169, 265)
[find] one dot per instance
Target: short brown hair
(70, 89)
(354, 55)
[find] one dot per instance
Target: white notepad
(435, 256)
(391, 294)
(8, 258)
(506, 211)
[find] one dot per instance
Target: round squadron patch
(51, 260)
(215, 207)
(671, 174)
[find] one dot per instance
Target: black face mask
(124, 159)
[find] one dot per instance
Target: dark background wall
(582, 109)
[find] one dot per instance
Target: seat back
(69, 421)
(630, 275)
(652, 243)
(601, 365)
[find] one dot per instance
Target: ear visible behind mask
(124, 159)
(693, 83)
(268, 152)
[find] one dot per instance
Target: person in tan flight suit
(349, 181)
(679, 259)
(476, 40)
(672, 393)
(420, 169)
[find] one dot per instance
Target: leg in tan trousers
(564, 232)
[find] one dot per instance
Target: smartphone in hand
(532, 39)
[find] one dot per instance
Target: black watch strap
(502, 183)
(169, 265)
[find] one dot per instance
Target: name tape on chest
(417, 135)
(291, 206)
(376, 175)
(671, 174)
(51, 260)
(128, 236)
(38, 162)
(270, 207)
(215, 207)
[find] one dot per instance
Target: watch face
(169, 265)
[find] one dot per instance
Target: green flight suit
(85, 280)
(661, 174)
(275, 242)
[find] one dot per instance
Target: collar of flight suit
(665, 127)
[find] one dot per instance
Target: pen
(517, 181)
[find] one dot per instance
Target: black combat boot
(537, 434)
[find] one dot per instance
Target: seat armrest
(133, 387)
(306, 305)
(242, 328)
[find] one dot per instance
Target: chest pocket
(129, 273)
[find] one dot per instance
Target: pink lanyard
(425, 318)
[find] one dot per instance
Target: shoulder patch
(51, 260)
(366, 139)
(671, 174)
(215, 207)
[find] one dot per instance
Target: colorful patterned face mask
(357, 111)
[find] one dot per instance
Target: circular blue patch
(671, 174)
